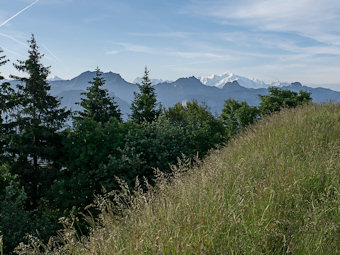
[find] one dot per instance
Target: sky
(271, 40)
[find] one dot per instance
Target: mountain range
(212, 90)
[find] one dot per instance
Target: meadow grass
(274, 189)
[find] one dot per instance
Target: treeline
(49, 170)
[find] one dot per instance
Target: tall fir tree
(3, 87)
(97, 104)
(3, 100)
(9, 100)
(3, 61)
(35, 147)
(144, 106)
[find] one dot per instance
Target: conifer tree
(9, 100)
(3, 61)
(36, 145)
(97, 104)
(3, 100)
(144, 106)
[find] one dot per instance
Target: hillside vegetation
(50, 169)
(274, 189)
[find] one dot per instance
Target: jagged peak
(191, 78)
(296, 84)
(90, 74)
(232, 84)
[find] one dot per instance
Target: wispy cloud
(19, 12)
(313, 18)
(14, 39)
(135, 47)
(193, 63)
(163, 34)
(199, 54)
(190, 54)
(50, 52)
(10, 51)
(113, 52)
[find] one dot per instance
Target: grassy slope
(273, 190)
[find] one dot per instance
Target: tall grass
(274, 189)
(1, 246)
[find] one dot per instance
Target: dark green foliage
(236, 116)
(31, 147)
(8, 101)
(3, 105)
(180, 131)
(15, 219)
(96, 135)
(146, 147)
(3, 61)
(35, 146)
(144, 106)
(280, 98)
(202, 130)
(97, 104)
(86, 148)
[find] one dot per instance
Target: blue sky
(286, 40)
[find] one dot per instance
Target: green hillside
(274, 189)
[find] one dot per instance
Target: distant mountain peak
(84, 75)
(112, 76)
(192, 80)
(296, 84)
(89, 75)
(232, 84)
(55, 78)
(279, 84)
(219, 80)
(154, 82)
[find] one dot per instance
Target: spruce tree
(144, 106)
(3, 104)
(9, 100)
(36, 144)
(3, 88)
(3, 61)
(97, 104)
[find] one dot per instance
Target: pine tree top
(144, 106)
(97, 104)
(34, 91)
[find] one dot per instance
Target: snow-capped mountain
(55, 78)
(279, 84)
(138, 80)
(218, 80)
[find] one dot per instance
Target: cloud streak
(19, 12)
(50, 52)
(10, 51)
(13, 39)
(313, 18)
